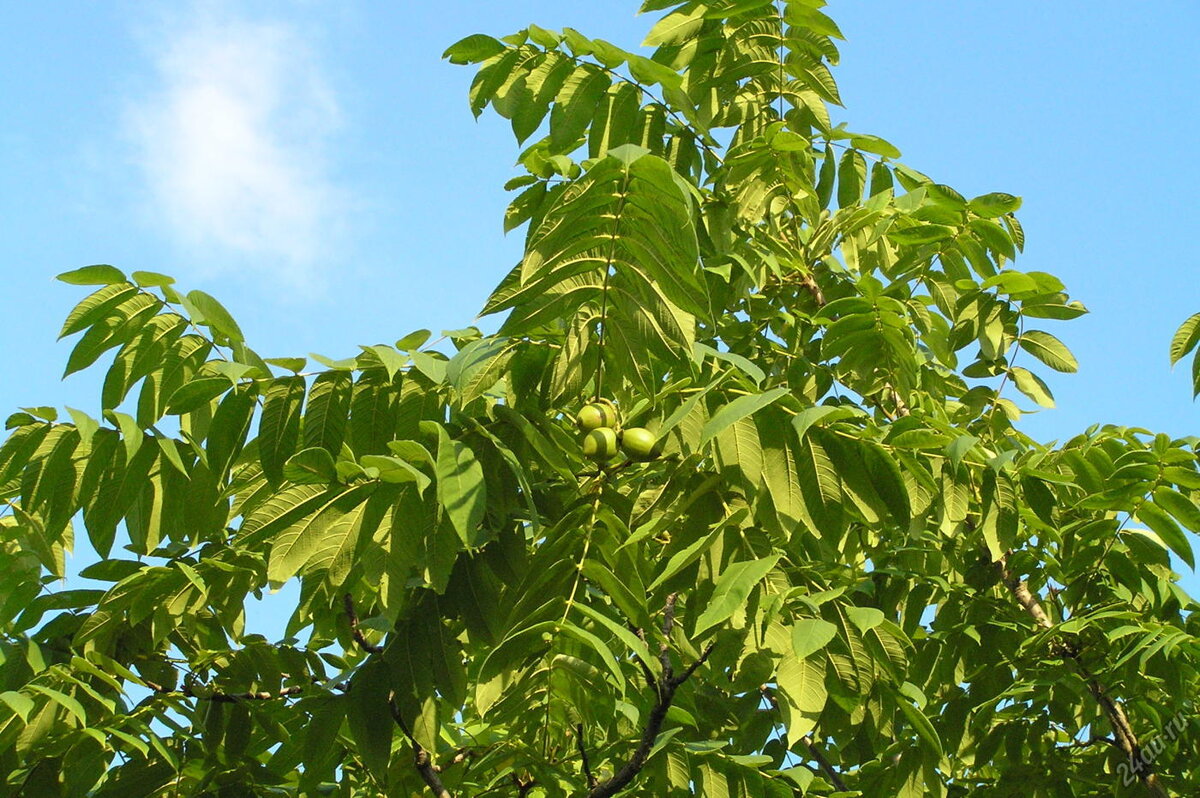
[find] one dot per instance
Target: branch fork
(664, 688)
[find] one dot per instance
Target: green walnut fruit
(600, 444)
(640, 444)
(597, 415)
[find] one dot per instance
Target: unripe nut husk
(640, 444)
(600, 444)
(597, 415)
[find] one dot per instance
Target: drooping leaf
(460, 487)
(1186, 338)
(731, 591)
(737, 409)
(214, 314)
(100, 274)
(311, 466)
(1048, 349)
(810, 635)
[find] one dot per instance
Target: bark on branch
(352, 615)
(219, 697)
(422, 760)
(826, 766)
(1125, 737)
(664, 688)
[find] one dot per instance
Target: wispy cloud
(233, 143)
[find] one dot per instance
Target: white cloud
(232, 142)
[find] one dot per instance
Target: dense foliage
(848, 572)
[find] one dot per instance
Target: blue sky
(314, 165)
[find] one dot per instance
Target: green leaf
(196, 393)
(368, 718)
(292, 364)
(1185, 338)
(321, 538)
(230, 425)
(96, 306)
(1032, 386)
(993, 205)
(957, 449)
(460, 487)
(1167, 530)
(731, 591)
(864, 618)
(395, 470)
(810, 635)
(1180, 506)
(803, 420)
(738, 409)
(328, 410)
(118, 326)
(279, 425)
(852, 177)
(18, 702)
(875, 145)
(214, 314)
(86, 425)
(152, 279)
(1048, 349)
(676, 27)
(312, 466)
(621, 632)
(686, 556)
(65, 701)
(921, 725)
(477, 366)
(649, 72)
(731, 8)
(628, 214)
(596, 644)
(473, 49)
(100, 274)
(802, 681)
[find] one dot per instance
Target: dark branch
(358, 635)
(668, 624)
(690, 669)
(665, 694)
(826, 766)
(523, 785)
(219, 697)
(1126, 738)
(421, 758)
(651, 682)
(587, 769)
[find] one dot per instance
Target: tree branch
(826, 766)
(835, 778)
(1126, 738)
(219, 697)
(587, 769)
(665, 694)
(523, 785)
(423, 762)
(354, 630)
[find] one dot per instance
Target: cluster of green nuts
(603, 436)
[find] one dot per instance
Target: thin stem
(608, 267)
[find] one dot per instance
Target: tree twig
(587, 768)
(664, 689)
(423, 762)
(354, 630)
(1125, 737)
(219, 697)
(827, 768)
